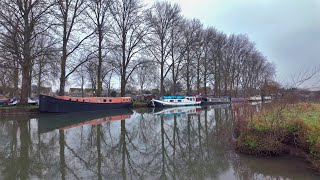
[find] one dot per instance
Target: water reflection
(188, 144)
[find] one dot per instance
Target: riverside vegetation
(280, 128)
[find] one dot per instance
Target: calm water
(186, 143)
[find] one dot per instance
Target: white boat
(266, 98)
(255, 98)
(176, 101)
(14, 101)
(178, 111)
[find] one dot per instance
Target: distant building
(43, 91)
(77, 92)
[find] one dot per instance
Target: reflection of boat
(177, 111)
(254, 103)
(78, 104)
(215, 100)
(49, 122)
(238, 100)
(218, 106)
(255, 98)
(176, 101)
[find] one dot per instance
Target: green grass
(19, 107)
(139, 104)
(286, 124)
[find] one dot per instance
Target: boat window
(70, 99)
(77, 99)
(104, 100)
(171, 100)
(179, 100)
(110, 100)
(82, 100)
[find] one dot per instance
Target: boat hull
(54, 105)
(158, 103)
(209, 101)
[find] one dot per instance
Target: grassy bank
(18, 110)
(19, 107)
(140, 104)
(280, 129)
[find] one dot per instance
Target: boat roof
(173, 97)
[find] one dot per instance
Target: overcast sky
(286, 31)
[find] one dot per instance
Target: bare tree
(144, 76)
(69, 14)
(97, 12)
(45, 67)
(177, 50)
(129, 30)
(192, 35)
(160, 19)
(24, 21)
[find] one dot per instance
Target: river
(176, 143)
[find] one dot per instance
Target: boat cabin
(96, 99)
(177, 99)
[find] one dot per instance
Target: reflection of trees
(23, 154)
(147, 146)
(143, 147)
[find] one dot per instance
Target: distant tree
(145, 75)
(113, 94)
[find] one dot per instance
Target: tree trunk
(188, 75)
(99, 82)
(26, 65)
(162, 68)
(62, 75)
(26, 86)
(64, 56)
(198, 76)
(16, 79)
(205, 77)
(161, 79)
(124, 67)
(39, 79)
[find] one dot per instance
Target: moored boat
(255, 98)
(176, 101)
(77, 104)
(4, 101)
(215, 100)
(266, 98)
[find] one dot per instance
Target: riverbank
(139, 104)
(281, 129)
(19, 110)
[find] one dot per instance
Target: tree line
(92, 42)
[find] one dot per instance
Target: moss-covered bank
(280, 129)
